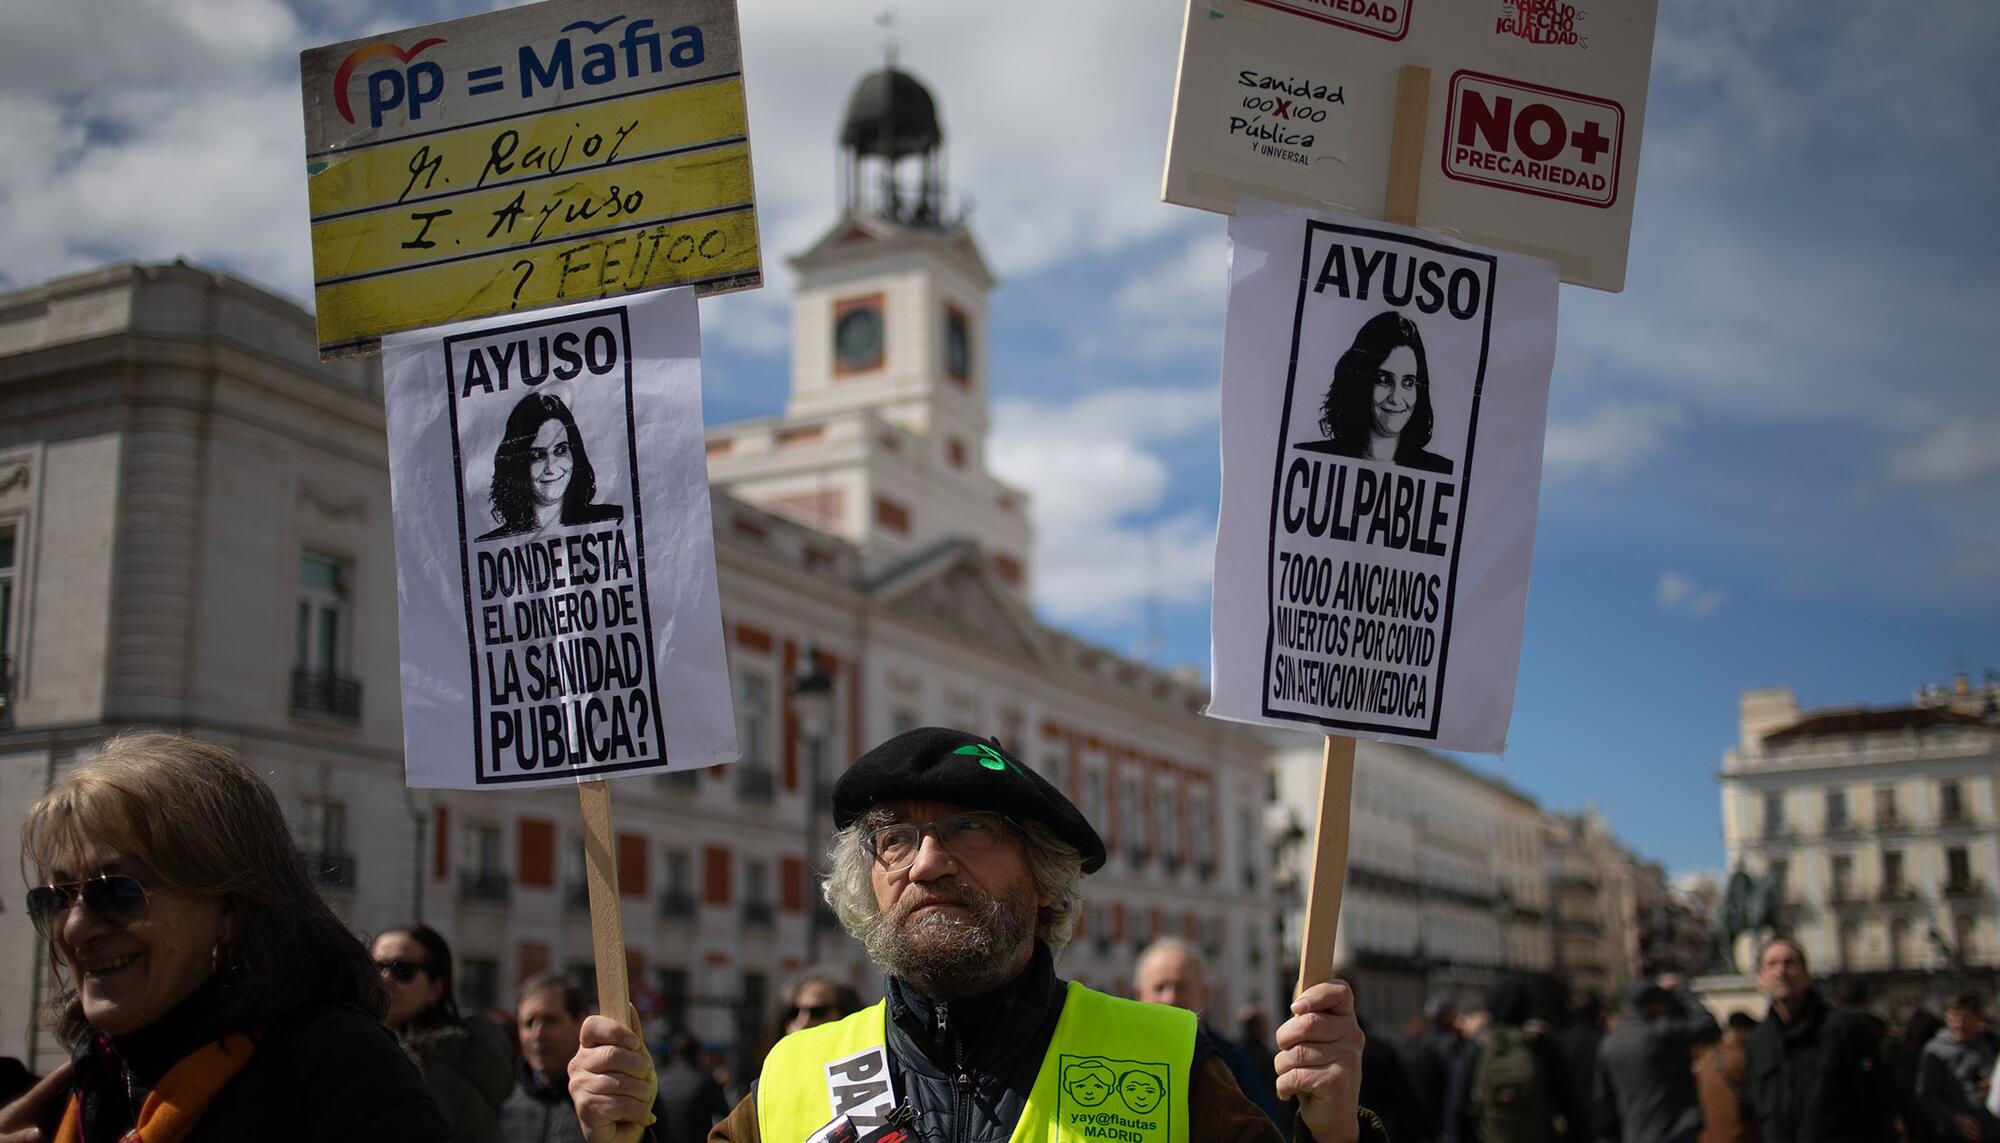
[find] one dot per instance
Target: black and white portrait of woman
(1379, 404)
(541, 473)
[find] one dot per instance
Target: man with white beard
(957, 869)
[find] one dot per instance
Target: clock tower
(888, 358)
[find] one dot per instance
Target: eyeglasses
(115, 899)
(895, 847)
(400, 971)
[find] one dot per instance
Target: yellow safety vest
(1115, 1070)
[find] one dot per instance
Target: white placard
(555, 561)
(1532, 144)
(1383, 400)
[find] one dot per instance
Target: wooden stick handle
(607, 924)
(1329, 869)
(1406, 149)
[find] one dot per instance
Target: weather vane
(886, 20)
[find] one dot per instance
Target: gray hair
(1173, 944)
(1055, 865)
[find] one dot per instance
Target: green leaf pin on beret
(989, 757)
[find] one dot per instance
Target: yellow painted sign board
(547, 154)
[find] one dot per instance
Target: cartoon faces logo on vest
(1114, 1099)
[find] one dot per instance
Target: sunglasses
(115, 899)
(818, 1011)
(400, 971)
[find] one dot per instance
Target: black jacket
(539, 1113)
(320, 1075)
(1819, 1079)
(973, 1061)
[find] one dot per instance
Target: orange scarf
(174, 1106)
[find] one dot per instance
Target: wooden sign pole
(1336, 783)
(607, 924)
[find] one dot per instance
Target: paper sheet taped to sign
(1384, 394)
(559, 610)
(552, 153)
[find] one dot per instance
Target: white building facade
(1445, 885)
(1880, 825)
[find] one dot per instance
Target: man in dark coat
(956, 866)
(1645, 1090)
(1955, 1076)
(1815, 1075)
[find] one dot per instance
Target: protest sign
(1534, 146)
(1383, 399)
(550, 153)
(559, 611)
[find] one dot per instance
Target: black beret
(941, 765)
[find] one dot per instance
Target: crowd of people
(207, 994)
(1816, 1069)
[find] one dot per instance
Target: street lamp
(812, 707)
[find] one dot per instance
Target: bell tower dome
(883, 439)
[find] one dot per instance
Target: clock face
(957, 345)
(857, 339)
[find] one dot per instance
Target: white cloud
(1611, 440)
(1958, 452)
(1099, 474)
(1680, 594)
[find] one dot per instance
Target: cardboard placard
(1536, 110)
(545, 154)
(559, 611)
(1384, 396)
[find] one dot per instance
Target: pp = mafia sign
(559, 152)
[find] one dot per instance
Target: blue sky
(1774, 459)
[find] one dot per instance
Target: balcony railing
(1897, 893)
(1845, 827)
(753, 784)
(1775, 831)
(1969, 887)
(676, 903)
(336, 696)
(331, 868)
(1954, 819)
(487, 885)
(1891, 822)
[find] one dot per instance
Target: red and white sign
(1389, 19)
(1532, 139)
(1536, 109)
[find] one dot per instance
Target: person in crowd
(548, 1011)
(1576, 1041)
(1955, 1076)
(1645, 1090)
(1509, 1082)
(1170, 972)
(956, 867)
(1386, 1089)
(1253, 1039)
(1378, 406)
(691, 1100)
(205, 989)
(1433, 1057)
(465, 1063)
(1722, 1083)
(1815, 1073)
(813, 997)
(541, 474)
